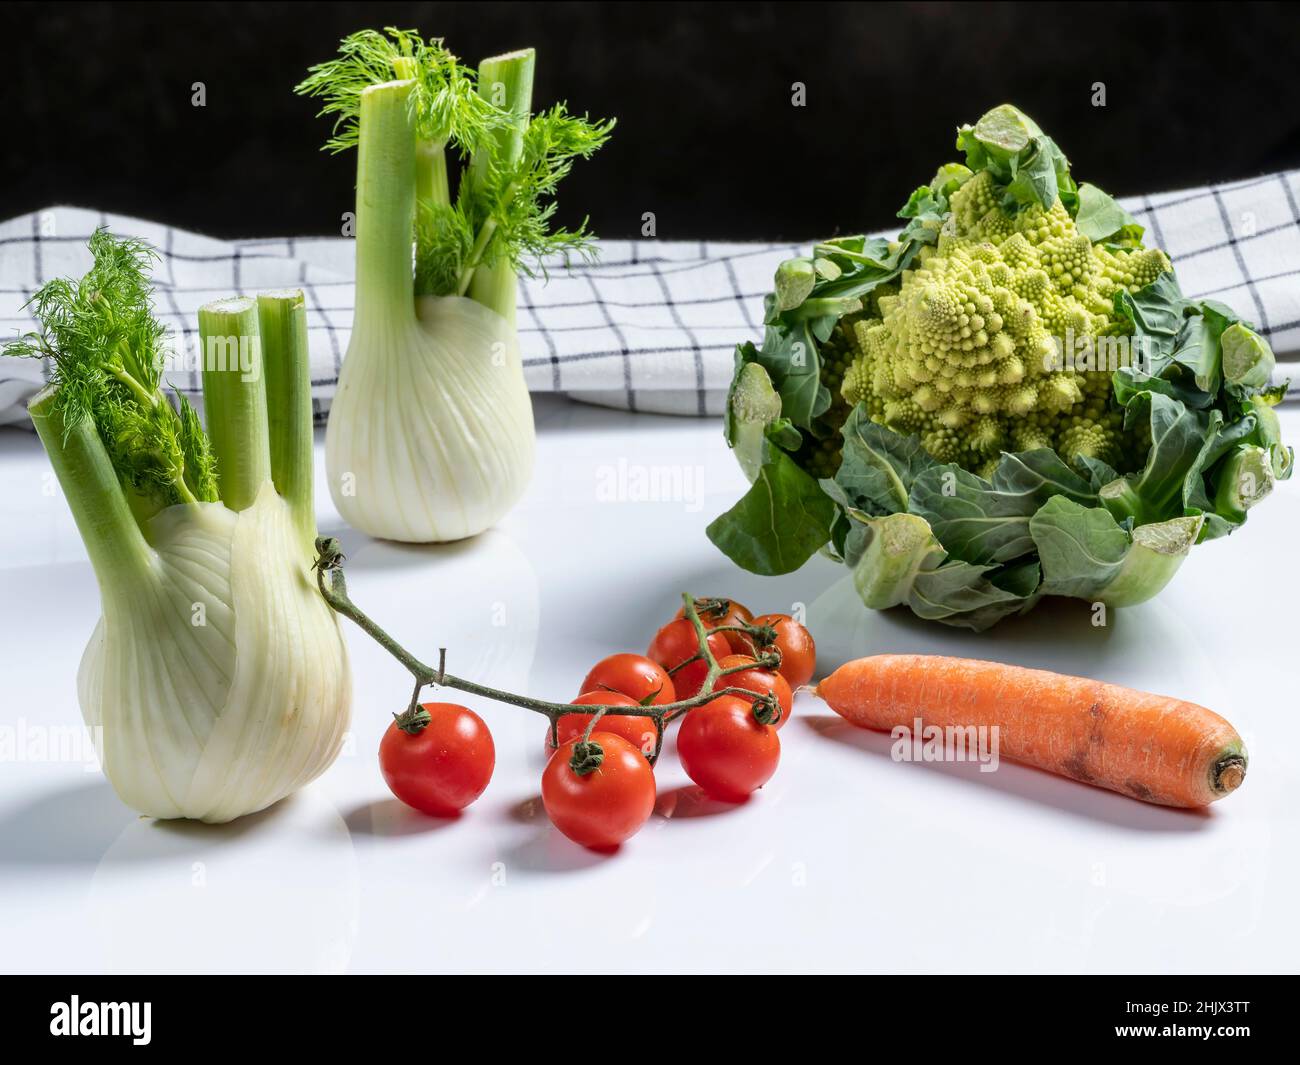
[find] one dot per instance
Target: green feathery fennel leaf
(520, 199)
(446, 104)
(105, 350)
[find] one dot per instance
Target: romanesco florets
(964, 352)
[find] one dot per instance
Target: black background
(356, 1016)
(97, 103)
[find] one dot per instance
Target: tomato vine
(588, 754)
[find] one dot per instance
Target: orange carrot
(1152, 747)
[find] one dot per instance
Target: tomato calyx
(767, 709)
(587, 757)
(329, 554)
(413, 720)
(712, 607)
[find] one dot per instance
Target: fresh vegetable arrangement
(598, 787)
(217, 680)
(1150, 747)
(430, 435)
(1013, 399)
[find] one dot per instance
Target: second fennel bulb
(430, 433)
(430, 436)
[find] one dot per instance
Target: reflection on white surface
(1133, 648)
(221, 898)
(845, 861)
(483, 592)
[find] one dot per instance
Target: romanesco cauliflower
(1012, 400)
(964, 350)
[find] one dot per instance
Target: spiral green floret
(973, 352)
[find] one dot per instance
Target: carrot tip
(1229, 773)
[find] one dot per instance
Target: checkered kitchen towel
(649, 327)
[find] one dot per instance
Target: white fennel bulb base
(217, 681)
(430, 434)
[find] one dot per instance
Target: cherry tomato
(725, 750)
(798, 652)
(445, 766)
(758, 680)
(632, 675)
(714, 612)
(638, 731)
(607, 805)
(675, 643)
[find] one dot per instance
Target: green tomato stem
(333, 586)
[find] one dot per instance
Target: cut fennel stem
(217, 680)
(430, 435)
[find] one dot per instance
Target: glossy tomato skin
(725, 750)
(798, 651)
(632, 675)
(445, 766)
(674, 644)
(758, 680)
(638, 731)
(735, 614)
(605, 807)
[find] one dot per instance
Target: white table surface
(845, 861)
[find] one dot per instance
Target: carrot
(1152, 747)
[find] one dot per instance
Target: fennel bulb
(430, 434)
(222, 718)
(216, 681)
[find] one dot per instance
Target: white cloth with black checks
(651, 326)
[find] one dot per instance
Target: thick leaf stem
(432, 183)
(234, 398)
(116, 546)
(282, 321)
(507, 82)
(386, 192)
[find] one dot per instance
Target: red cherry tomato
(715, 611)
(638, 731)
(606, 806)
(633, 675)
(445, 766)
(674, 644)
(725, 750)
(758, 680)
(798, 652)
